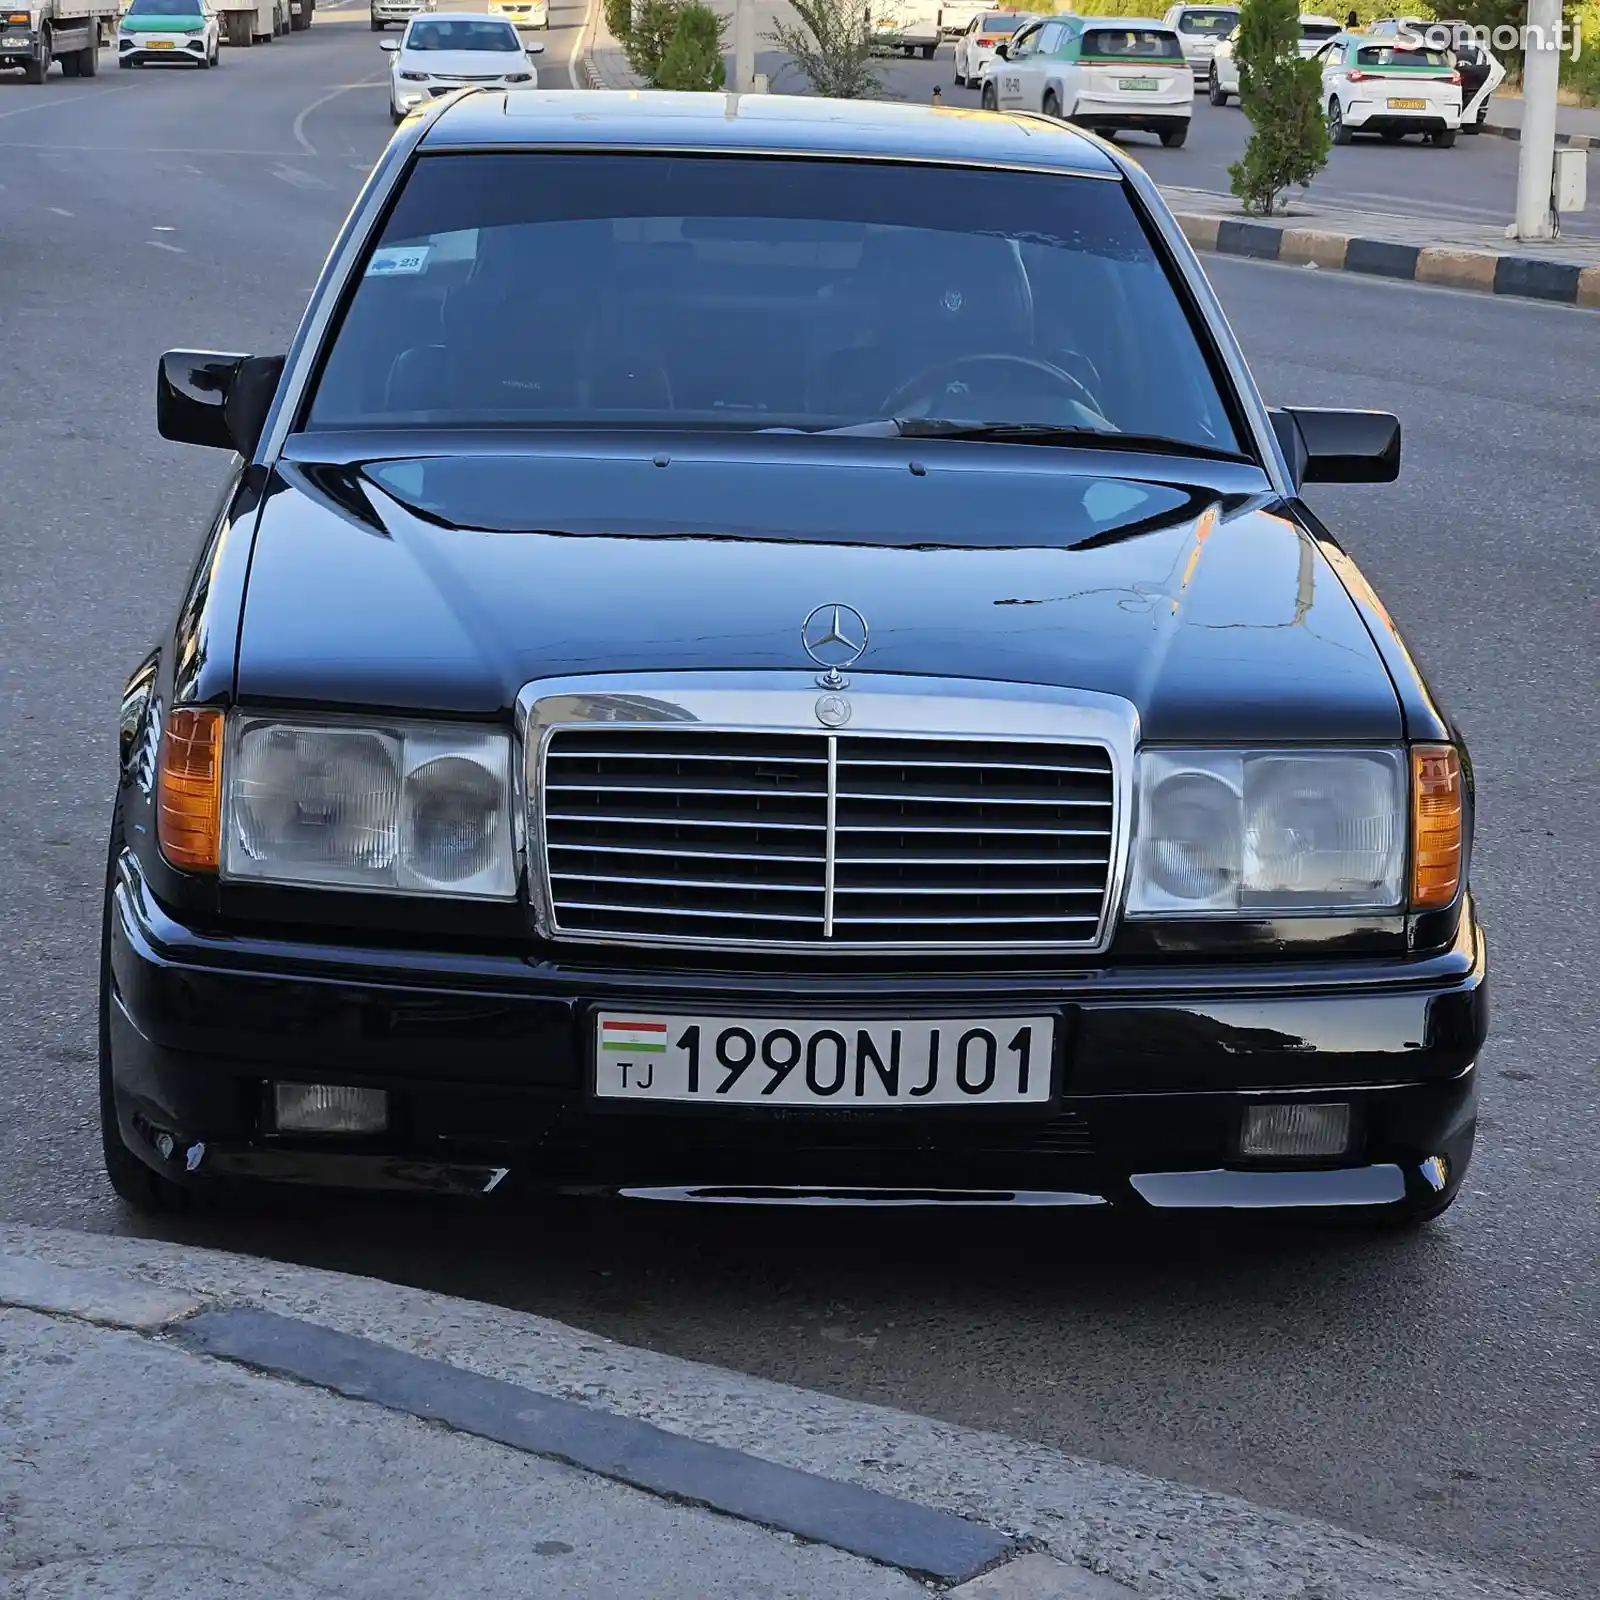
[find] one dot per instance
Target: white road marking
(65, 100)
(577, 44)
(58, 211)
(161, 244)
(333, 94)
(301, 180)
(162, 227)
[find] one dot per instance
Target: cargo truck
(33, 36)
(247, 22)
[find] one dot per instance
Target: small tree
(619, 20)
(832, 46)
(694, 58)
(654, 23)
(1282, 96)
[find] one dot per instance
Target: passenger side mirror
(1003, 50)
(391, 45)
(215, 400)
(1328, 446)
(535, 49)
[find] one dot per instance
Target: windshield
(163, 8)
(732, 292)
(1208, 24)
(1383, 55)
(1137, 44)
(1004, 23)
(462, 35)
(1318, 30)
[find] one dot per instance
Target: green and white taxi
(169, 30)
(1389, 87)
(1108, 74)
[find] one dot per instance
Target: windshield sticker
(398, 261)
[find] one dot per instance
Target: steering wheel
(925, 384)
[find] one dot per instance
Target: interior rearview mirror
(220, 401)
(1332, 446)
(391, 45)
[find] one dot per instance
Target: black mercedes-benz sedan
(847, 705)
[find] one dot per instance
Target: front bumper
(484, 1058)
(178, 47)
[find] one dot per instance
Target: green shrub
(1282, 96)
(693, 60)
(831, 47)
(619, 19)
(654, 24)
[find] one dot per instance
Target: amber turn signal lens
(189, 790)
(1436, 821)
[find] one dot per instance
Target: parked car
(848, 705)
(975, 49)
(1222, 74)
(1388, 88)
(1108, 74)
(1200, 29)
(167, 31)
(1481, 73)
(443, 52)
(385, 12)
(909, 26)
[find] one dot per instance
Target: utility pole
(744, 46)
(1541, 77)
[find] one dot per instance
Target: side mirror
(1328, 446)
(1003, 50)
(391, 45)
(535, 49)
(219, 401)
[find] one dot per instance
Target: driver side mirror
(1328, 446)
(1003, 50)
(214, 400)
(391, 45)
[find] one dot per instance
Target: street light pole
(1541, 78)
(744, 46)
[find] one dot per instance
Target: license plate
(14, 44)
(845, 1065)
(1407, 105)
(158, 44)
(1136, 83)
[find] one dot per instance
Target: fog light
(329, 1108)
(1296, 1130)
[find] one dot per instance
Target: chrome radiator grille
(718, 837)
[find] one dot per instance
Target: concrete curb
(1455, 267)
(1152, 1536)
(927, 1544)
(1578, 141)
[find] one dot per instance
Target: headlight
(519, 77)
(398, 809)
(415, 77)
(1260, 831)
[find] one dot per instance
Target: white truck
(247, 22)
(953, 19)
(38, 32)
(907, 26)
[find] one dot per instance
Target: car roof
(760, 124)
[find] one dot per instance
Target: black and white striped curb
(1578, 141)
(961, 1557)
(1450, 266)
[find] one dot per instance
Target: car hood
(445, 584)
(462, 63)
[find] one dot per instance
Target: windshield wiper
(1051, 433)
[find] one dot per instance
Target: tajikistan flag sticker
(634, 1036)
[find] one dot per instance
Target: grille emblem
(835, 637)
(833, 710)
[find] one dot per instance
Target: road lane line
(67, 100)
(161, 244)
(333, 94)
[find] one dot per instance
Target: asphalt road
(1439, 1390)
(1473, 182)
